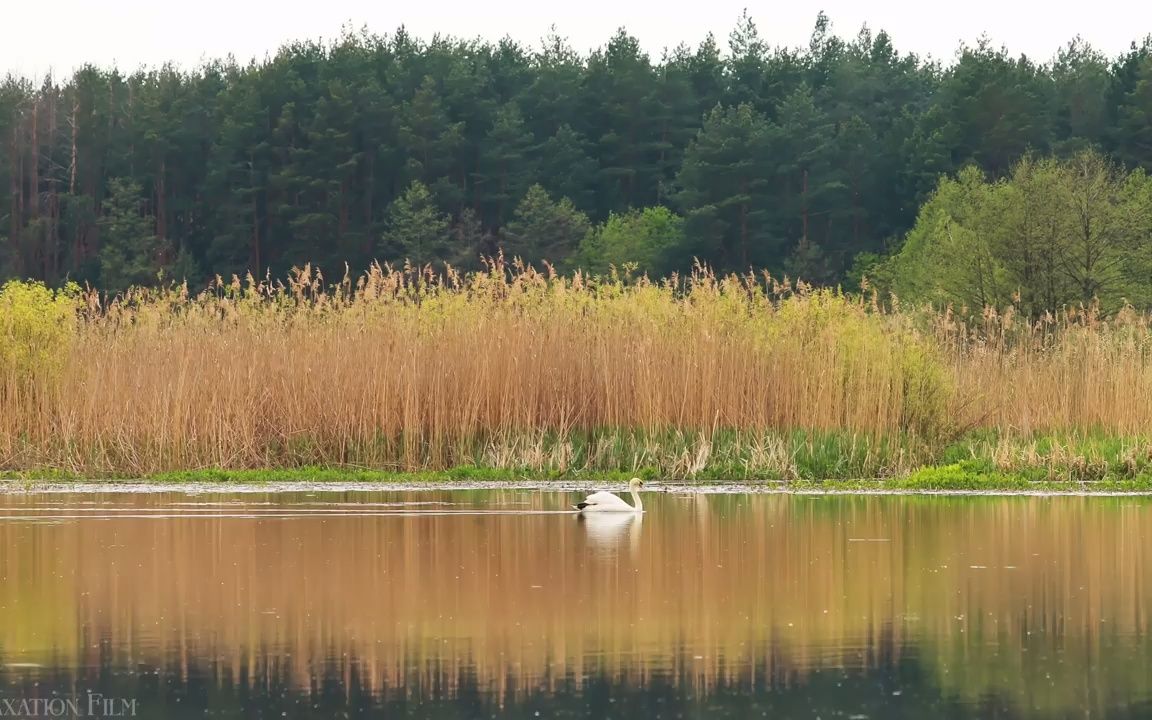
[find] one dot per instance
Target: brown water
(484, 604)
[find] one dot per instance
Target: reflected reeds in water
(1041, 604)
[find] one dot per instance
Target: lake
(497, 604)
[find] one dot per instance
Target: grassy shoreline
(954, 478)
(797, 461)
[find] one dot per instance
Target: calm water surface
(481, 604)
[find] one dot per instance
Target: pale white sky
(60, 35)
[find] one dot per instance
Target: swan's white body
(608, 502)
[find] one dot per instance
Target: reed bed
(513, 368)
(1077, 370)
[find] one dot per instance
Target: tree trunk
(804, 210)
(855, 213)
(15, 217)
(51, 235)
(342, 228)
(73, 162)
(368, 198)
(161, 203)
(254, 250)
(744, 225)
(34, 164)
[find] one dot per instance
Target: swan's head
(635, 484)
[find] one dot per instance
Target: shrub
(37, 326)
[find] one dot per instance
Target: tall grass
(1076, 370)
(514, 368)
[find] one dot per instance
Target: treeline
(394, 148)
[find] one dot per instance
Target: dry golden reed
(1075, 371)
(511, 367)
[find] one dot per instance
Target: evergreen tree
(618, 83)
(706, 72)
(506, 168)
(130, 251)
(416, 231)
(726, 193)
(567, 170)
(553, 97)
(1134, 127)
(747, 65)
(675, 117)
(1080, 94)
(994, 108)
(432, 140)
(543, 229)
(795, 159)
(815, 197)
(470, 240)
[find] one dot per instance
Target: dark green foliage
(726, 189)
(566, 168)
(505, 170)
(130, 252)
(1134, 121)
(797, 161)
(432, 140)
(416, 230)
(993, 108)
(543, 229)
(470, 241)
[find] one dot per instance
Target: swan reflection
(608, 531)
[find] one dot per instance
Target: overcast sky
(60, 35)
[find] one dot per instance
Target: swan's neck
(636, 503)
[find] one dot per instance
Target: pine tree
(993, 108)
(506, 168)
(432, 141)
(297, 158)
(470, 240)
(814, 197)
(747, 64)
(552, 98)
(1080, 95)
(1134, 126)
(617, 87)
(130, 251)
(706, 73)
(566, 168)
(417, 231)
(674, 115)
(544, 230)
(726, 193)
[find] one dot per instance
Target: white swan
(608, 502)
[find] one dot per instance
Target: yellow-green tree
(1054, 233)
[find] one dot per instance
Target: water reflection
(610, 531)
(1013, 607)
